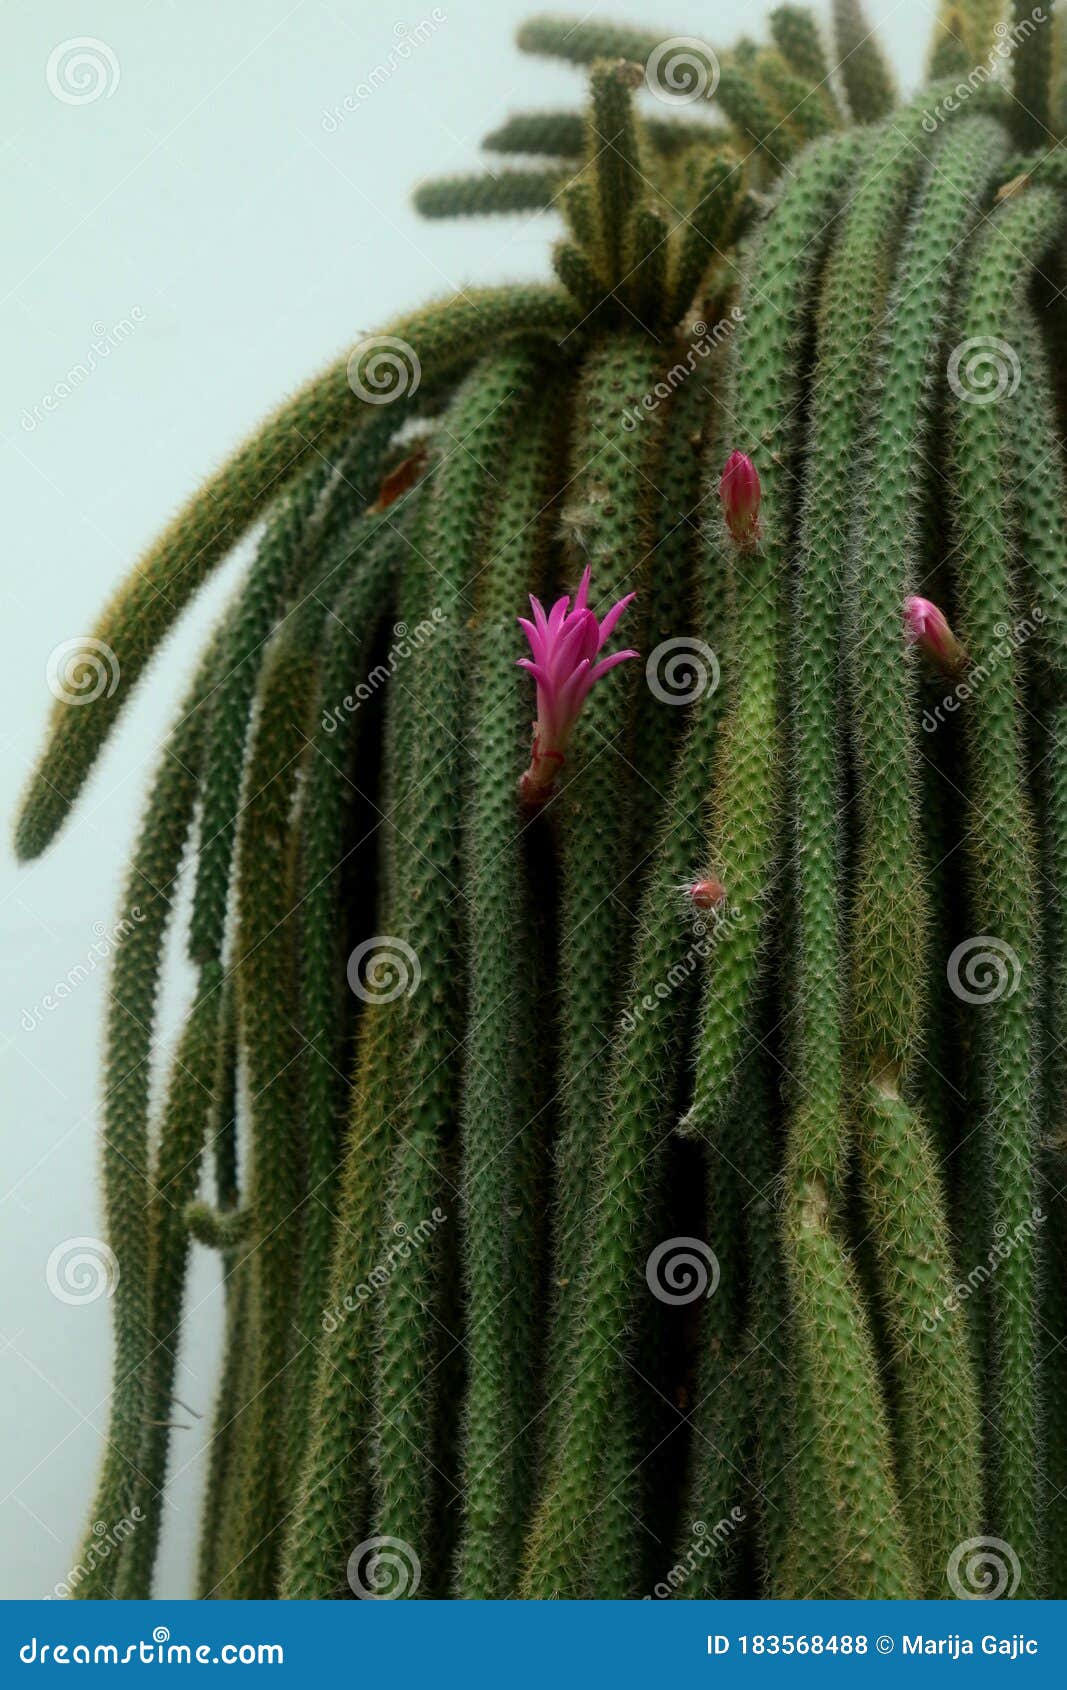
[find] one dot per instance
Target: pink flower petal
(607, 627)
(556, 616)
(607, 663)
(539, 614)
(540, 675)
(537, 644)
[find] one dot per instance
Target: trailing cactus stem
(1000, 846)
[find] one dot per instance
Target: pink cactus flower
(926, 626)
(739, 490)
(564, 644)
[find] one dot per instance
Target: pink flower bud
(739, 490)
(706, 894)
(926, 626)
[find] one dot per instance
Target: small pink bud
(739, 490)
(706, 894)
(925, 625)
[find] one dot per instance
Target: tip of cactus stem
(740, 494)
(627, 72)
(926, 626)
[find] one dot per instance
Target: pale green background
(205, 196)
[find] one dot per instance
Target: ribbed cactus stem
(907, 1210)
(264, 961)
(1000, 847)
(608, 519)
(368, 563)
(805, 114)
(582, 42)
(563, 135)
(938, 1406)
(795, 32)
(864, 72)
(743, 845)
(497, 1092)
(1031, 70)
(882, 570)
(187, 1122)
(482, 417)
(682, 664)
(864, 1513)
(321, 504)
(727, 1360)
(223, 1479)
(706, 230)
(646, 265)
(1041, 491)
(549, 134)
(773, 1376)
(622, 1179)
(614, 161)
(949, 55)
(759, 119)
(331, 1506)
(481, 196)
(146, 908)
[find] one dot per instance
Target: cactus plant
(638, 1150)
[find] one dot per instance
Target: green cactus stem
(1001, 852)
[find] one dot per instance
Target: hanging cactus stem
(623, 811)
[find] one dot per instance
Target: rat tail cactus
(634, 1143)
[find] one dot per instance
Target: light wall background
(202, 221)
